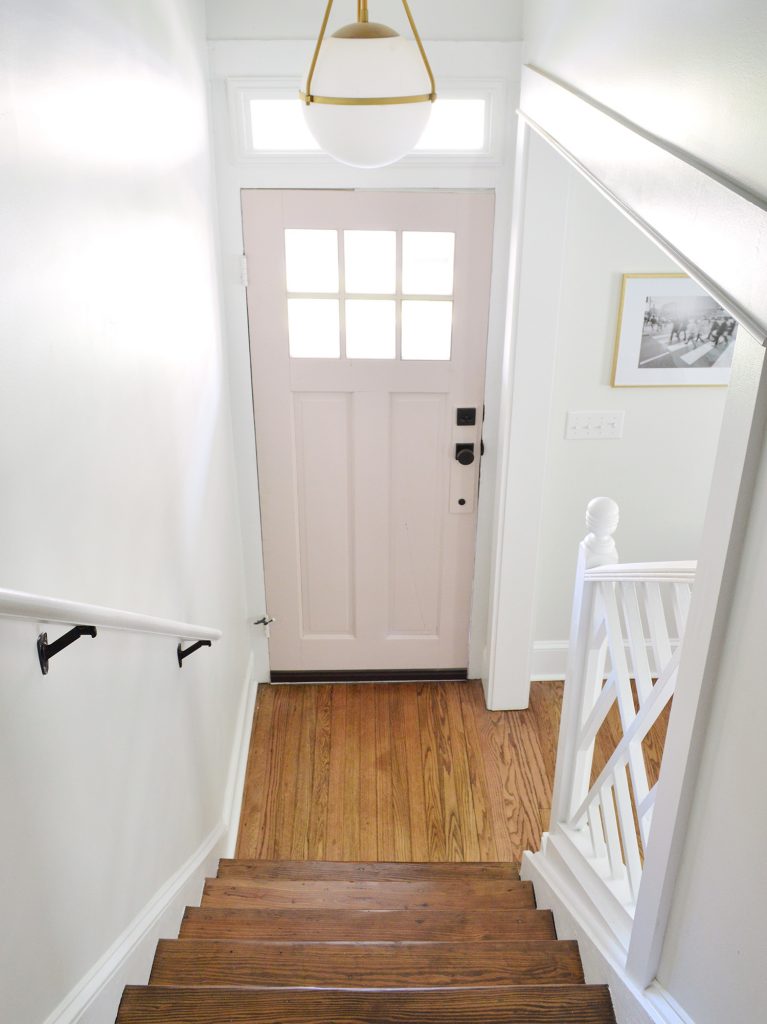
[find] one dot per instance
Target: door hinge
(244, 270)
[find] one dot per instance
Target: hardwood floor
(396, 772)
(404, 772)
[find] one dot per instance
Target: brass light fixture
(369, 91)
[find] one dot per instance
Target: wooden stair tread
(359, 870)
(489, 894)
(367, 926)
(189, 962)
(555, 1004)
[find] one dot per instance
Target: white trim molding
(703, 221)
(602, 954)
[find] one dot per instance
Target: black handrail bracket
(190, 650)
(46, 651)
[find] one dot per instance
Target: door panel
(325, 505)
(368, 325)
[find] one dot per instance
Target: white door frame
(711, 228)
(470, 63)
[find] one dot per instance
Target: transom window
(369, 294)
(456, 125)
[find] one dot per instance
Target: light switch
(594, 426)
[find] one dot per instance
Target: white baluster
(597, 548)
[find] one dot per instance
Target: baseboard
(602, 965)
(238, 765)
(549, 661)
(94, 1000)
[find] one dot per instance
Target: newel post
(596, 548)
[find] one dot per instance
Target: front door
(368, 325)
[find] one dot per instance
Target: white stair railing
(627, 625)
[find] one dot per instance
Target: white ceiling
(300, 19)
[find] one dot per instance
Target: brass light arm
(307, 96)
(362, 18)
(425, 59)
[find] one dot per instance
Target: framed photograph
(670, 333)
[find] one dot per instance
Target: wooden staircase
(288, 942)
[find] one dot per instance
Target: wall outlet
(594, 426)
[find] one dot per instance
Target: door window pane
(311, 260)
(314, 329)
(371, 329)
(427, 262)
(370, 262)
(427, 330)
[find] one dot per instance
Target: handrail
(19, 605)
(642, 572)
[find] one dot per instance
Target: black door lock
(464, 453)
(466, 417)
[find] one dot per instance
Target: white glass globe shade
(369, 136)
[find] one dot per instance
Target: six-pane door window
(369, 294)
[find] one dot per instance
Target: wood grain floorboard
(405, 772)
(320, 799)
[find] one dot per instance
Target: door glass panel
(427, 262)
(311, 260)
(370, 262)
(314, 329)
(427, 329)
(371, 329)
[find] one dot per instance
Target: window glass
(427, 329)
(371, 331)
(457, 125)
(314, 328)
(427, 262)
(311, 260)
(370, 262)
(278, 125)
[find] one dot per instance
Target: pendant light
(369, 92)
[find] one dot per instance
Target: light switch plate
(594, 426)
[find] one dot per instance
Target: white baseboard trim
(549, 661)
(94, 1000)
(238, 765)
(602, 965)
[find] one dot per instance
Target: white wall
(713, 956)
(660, 471)
(691, 72)
(300, 19)
(117, 477)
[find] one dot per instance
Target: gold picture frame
(671, 333)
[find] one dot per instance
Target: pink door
(368, 324)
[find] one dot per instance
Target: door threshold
(377, 675)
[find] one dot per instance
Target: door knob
(464, 453)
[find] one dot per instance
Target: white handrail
(643, 572)
(18, 605)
